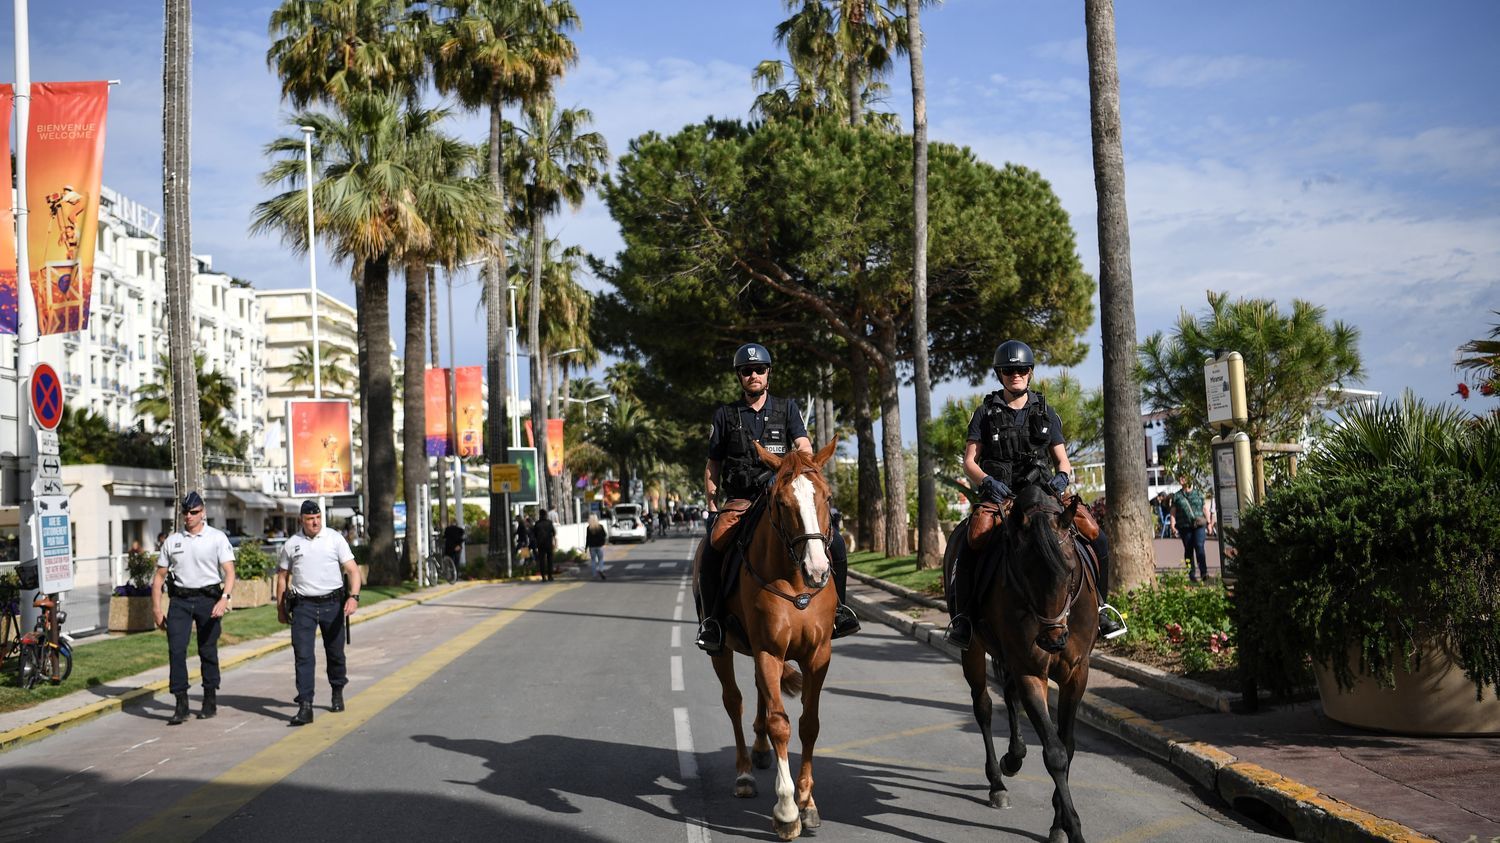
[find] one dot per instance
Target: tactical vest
(1014, 454)
(742, 473)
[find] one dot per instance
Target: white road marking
(676, 637)
(680, 593)
(677, 613)
(677, 670)
(635, 566)
(687, 762)
(142, 776)
(666, 564)
(232, 728)
(143, 743)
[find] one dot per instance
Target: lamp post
(452, 408)
(586, 402)
(312, 275)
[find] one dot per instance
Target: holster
(1083, 520)
(983, 519)
(724, 523)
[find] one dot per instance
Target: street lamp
(586, 402)
(458, 465)
(312, 274)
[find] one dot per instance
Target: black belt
(321, 598)
(215, 591)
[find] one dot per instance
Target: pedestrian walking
(311, 596)
(595, 537)
(1163, 506)
(543, 542)
(1191, 524)
(196, 569)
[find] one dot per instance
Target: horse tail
(791, 680)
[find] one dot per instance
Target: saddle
(731, 537)
(978, 531)
(987, 516)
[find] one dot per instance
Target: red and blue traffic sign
(46, 396)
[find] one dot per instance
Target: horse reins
(803, 600)
(1059, 621)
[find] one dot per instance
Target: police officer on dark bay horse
(312, 597)
(1011, 438)
(196, 564)
(735, 473)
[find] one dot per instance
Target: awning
(122, 489)
(255, 500)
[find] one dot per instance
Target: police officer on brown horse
(736, 474)
(1014, 441)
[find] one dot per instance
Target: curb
(68, 719)
(1247, 788)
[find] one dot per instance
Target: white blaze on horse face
(814, 553)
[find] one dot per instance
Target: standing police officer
(1014, 438)
(201, 564)
(735, 469)
(310, 595)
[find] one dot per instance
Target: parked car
(626, 524)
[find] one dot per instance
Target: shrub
(140, 568)
(1173, 616)
(252, 562)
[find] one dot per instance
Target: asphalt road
(576, 710)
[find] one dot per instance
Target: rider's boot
(845, 622)
(210, 704)
(710, 630)
(1111, 622)
(180, 714)
(960, 632)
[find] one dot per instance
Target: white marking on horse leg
(815, 552)
(786, 793)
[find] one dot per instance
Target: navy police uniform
(195, 565)
(315, 599)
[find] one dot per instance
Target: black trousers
(183, 615)
(309, 618)
(544, 562)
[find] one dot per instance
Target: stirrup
(1111, 622)
(710, 635)
(845, 622)
(960, 632)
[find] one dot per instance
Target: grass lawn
(100, 663)
(901, 570)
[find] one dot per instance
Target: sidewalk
(1287, 767)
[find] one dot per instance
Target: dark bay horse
(1037, 622)
(782, 611)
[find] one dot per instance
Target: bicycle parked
(43, 653)
(441, 567)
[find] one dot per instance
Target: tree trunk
(897, 543)
(827, 424)
(928, 538)
(177, 247)
(1126, 518)
(538, 359)
(496, 319)
(380, 445)
(362, 345)
(414, 412)
(871, 533)
(442, 464)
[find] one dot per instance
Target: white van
(626, 524)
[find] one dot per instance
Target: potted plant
(1376, 570)
(253, 569)
(130, 605)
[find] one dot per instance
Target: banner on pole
(320, 451)
(526, 458)
(554, 447)
(469, 385)
(64, 171)
(435, 401)
(8, 287)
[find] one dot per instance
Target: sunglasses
(198, 511)
(1015, 370)
(747, 371)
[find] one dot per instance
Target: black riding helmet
(1011, 354)
(750, 354)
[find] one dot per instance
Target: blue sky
(1344, 152)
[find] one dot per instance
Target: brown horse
(781, 613)
(1028, 625)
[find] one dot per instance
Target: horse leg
(1069, 694)
(744, 782)
(784, 818)
(814, 674)
(1033, 690)
(1016, 752)
(760, 754)
(979, 693)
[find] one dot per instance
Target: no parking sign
(46, 396)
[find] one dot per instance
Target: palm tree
(215, 392)
(631, 436)
(367, 206)
(1125, 461)
(325, 50)
(1482, 357)
(838, 52)
(177, 243)
(557, 162)
(334, 361)
(489, 53)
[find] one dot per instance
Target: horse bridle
(803, 600)
(1059, 621)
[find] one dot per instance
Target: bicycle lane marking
(198, 812)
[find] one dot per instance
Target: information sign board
(1216, 385)
(505, 478)
(54, 544)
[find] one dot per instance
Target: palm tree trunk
(442, 464)
(1125, 517)
(414, 411)
(362, 344)
(380, 445)
(538, 358)
(871, 524)
(496, 318)
(897, 542)
(177, 246)
(927, 516)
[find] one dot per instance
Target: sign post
(1233, 471)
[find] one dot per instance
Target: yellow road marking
(1151, 831)
(199, 811)
(863, 742)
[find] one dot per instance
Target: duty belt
(321, 598)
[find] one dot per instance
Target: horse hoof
(810, 818)
(761, 758)
(1000, 799)
(1057, 836)
(787, 831)
(744, 786)
(1010, 764)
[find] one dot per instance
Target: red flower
(1462, 391)
(1218, 642)
(1486, 388)
(1174, 633)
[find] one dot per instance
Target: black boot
(960, 632)
(210, 705)
(338, 700)
(1111, 622)
(180, 715)
(710, 630)
(304, 715)
(845, 622)
(710, 635)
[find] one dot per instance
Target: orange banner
(8, 312)
(64, 168)
(319, 447)
(554, 447)
(468, 385)
(436, 395)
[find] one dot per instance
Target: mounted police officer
(1014, 440)
(735, 470)
(312, 597)
(200, 562)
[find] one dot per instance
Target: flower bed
(1181, 627)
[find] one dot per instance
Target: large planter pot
(251, 593)
(1436, 700)
(131, 614)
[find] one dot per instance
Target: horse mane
(796, 462)
(1040, 533)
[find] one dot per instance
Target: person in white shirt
(311, 596)
(201, 563)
